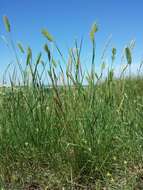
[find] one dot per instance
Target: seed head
(6, 23)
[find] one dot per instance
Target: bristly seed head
(47, 35)
(94, 29)
(6, 23)
(128, 55)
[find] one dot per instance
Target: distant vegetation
(71, 135)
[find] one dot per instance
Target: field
(63, 128)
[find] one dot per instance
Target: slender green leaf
(46, 48)
(20, 47)
(29, 55)
(54, 62)
(38, 58)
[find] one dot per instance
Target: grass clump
(66, 129)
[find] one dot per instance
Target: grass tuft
(65, 128)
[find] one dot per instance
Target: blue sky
(70, 19)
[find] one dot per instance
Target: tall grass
(72, 135)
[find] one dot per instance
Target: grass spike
(6, 23)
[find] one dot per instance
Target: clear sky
(70, 19)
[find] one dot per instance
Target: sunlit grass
(70, 135)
